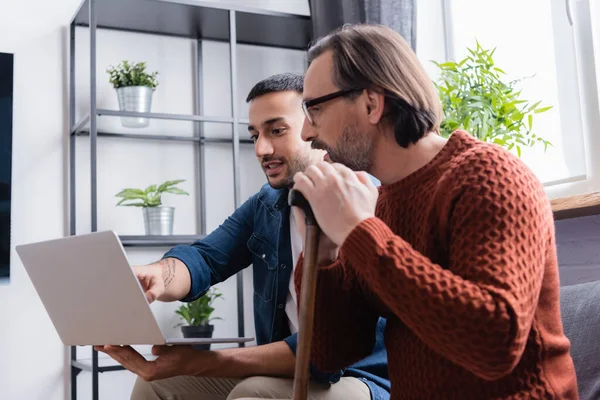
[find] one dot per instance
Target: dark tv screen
(6, 118)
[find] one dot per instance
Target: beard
(354, 149)
(298, 163)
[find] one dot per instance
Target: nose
(263, 147)
(308, 133)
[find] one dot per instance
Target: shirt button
(281, 306)
(264, 255)
(283, 266)
(276, 206)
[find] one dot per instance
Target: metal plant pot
(159, 220)
(202, 332)
(135, 98)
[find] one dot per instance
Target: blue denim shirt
(258, 233)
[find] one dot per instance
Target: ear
(374, 102)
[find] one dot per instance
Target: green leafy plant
(198, 312)
(131, 74)
(476, 97)
(151, 196)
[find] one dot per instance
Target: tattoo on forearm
(170, 271)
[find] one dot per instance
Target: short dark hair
(288, 82)
(369, 56)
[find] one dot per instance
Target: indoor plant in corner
(134, 88)
(476, 98)
(197, 317)
(158, 219)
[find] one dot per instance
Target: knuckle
(324, 167)
(329, 174)
(147, 376)
(337, 180)
(311, 169)
(300, 183)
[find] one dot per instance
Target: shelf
(163, 137)
(576, 206)
(82, 127)
(157, 241)
(200, 20)
(190, 19)
(179, 117)
(83, 124)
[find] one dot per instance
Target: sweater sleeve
(477, 308)
(344, 330)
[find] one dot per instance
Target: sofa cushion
(580, 309)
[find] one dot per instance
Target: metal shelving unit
(198, 20)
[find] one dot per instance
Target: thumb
(155, 288)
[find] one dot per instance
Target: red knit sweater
(461, 260)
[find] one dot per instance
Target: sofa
(580, 310)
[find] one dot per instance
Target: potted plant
(197, 317)
(134, 90)
(476, 98)
(158, 219)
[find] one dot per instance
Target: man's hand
(171, 361)
(151, 279)
(273, 359)
(340, 198)
(165, 280)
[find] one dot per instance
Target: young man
(261, 232)
(456, 249)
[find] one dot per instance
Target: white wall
(38, 193)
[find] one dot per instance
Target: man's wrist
(210, 364)
(351, 227)
(274, 359)
(168, 270)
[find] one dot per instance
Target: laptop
(92, 295)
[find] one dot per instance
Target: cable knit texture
(461, 260)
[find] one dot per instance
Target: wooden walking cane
(307, 296)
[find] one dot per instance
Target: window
(544, 40)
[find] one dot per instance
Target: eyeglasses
(306, 105)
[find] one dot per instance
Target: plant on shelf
(158, 219)
(134, 90)
(197, 317)
(476, 97)
(131, 74)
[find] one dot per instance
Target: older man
(456, 249)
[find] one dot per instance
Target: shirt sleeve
(221, 254)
